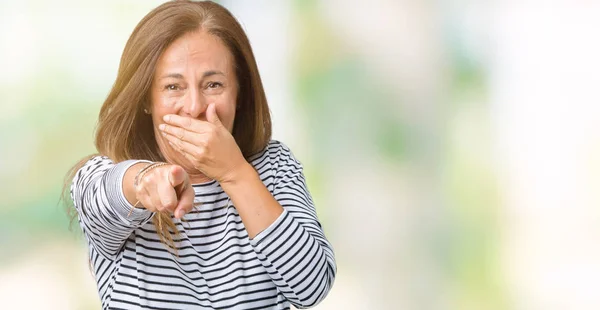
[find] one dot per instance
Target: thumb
(176, 175)
(211, 114)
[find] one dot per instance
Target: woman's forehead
(197, 49)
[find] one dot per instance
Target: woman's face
(194, 71)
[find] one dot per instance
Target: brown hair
(125, 132)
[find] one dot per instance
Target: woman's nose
(194, 103)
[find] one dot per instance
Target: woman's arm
(285, 232)
(103, 208)
(104, 195)
(253, 201)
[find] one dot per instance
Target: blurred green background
(452, 147)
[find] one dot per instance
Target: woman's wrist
(128, 180)
(242, 175)
(140, 175)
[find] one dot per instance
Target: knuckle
(148, 178)
(164, 169)
(152, 208)
(139, 191)
(169, 205)
(144, 202)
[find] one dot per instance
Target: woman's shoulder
(275, 151)
(94, 164)
(276, 158)
(89, 167)
(99, 160)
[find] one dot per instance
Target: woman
(189, 204)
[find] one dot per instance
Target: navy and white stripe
(217, 266)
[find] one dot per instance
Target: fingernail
(179, 214)
(162, 126)
(167, 118)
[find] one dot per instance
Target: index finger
(185, 203)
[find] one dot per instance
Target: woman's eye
(214, 85)
(172, 87)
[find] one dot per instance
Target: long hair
(125, 132)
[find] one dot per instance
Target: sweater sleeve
(102, 209)
(294, 249)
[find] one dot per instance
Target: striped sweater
(217, 266)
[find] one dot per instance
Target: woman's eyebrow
(212, 72)
(180, 76)
(172, 75)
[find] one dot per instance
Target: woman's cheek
(169, 102)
